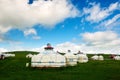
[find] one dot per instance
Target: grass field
(14, 69)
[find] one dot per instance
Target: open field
(14, 69)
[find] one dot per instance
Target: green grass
(14, 69)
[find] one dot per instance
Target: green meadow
(15, 69)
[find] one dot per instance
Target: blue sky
(86, 25)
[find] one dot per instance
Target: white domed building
(95, 57)
(48, 58)
(82, 58)
(71, 59)
(117, 57)
(100, 57)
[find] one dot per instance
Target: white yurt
(9, 55)
(100, 57)
(71, 59)
(95, 57)
(82, 58)
(117, 57)
(48, 58)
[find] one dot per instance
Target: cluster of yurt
(50, 58)
(97, 57)
(9, 55)
(5, 55)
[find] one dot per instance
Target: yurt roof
(48, 47)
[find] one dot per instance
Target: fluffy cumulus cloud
(96, 13)
(64, 47)
(102, 41)
(32, 32)
(4, 30)
(3, 50)
(19, 14)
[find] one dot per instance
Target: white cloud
(114, 6)
(102, 39)
(19, 14)
(64, 47)
(41, 49)
(36, 37)
(30, 31)
(96, 13)
(3, 50)
(4, 30)
(111, 23)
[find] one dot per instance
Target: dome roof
(71, 59)
(49, 47)
(82, 58)
(48, 58)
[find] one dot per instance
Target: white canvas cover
(117, 57)
(48, 59)
(95, 57)
(82, 58)
(9, 55)
(71, 59)
(100, 57)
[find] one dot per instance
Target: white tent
(95, 57)
(48, 58)
(100, 57)
(9, 55)
(71, 59)
(82, 58)
(5, 55)
(117, 57)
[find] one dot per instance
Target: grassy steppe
(14, 69)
